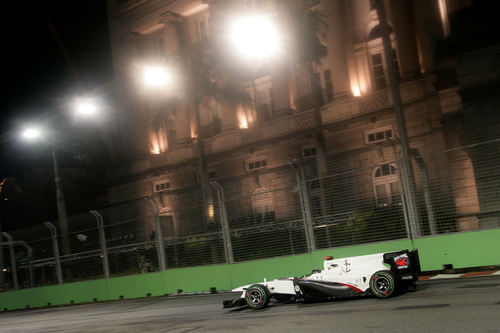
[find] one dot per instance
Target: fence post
(30, 258)
(226, 234)
(13, 266)
(102, 242)
(427, 193)
(55, 249)
(158, 234)
(304, 205)
(409, 234)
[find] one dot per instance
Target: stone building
(248, 147)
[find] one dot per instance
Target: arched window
(377, 63)
(386, 185)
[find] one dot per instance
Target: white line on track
(446, 276)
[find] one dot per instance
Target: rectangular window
(309, 152)
(378, 135)
(327, 75)
(378, 72)
(263, 105)
(317, 88)
(381, 194)
(203, 27)
(316, 209)
(395, 192)
(256, 164)
(161, 186)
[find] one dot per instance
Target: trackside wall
(462, 250)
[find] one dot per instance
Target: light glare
(86, 108)
(255, 36)
(156, 76)
(31, 133)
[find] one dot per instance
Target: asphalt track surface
(457, 305)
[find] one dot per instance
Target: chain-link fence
(319, 201)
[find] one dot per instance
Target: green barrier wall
(462, 250)
(481, 248)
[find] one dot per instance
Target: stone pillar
(171, 34)
(336, 43)
(427, 30)
(405, 37)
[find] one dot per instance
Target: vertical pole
(305, 207)
(403, 199)
(226, 234)
(13, 265)
(55, 249)
(2, 273)
(160, 246)
(406, 167)
(29, 249)
(102, 242)
(427, 193)
(61, 204)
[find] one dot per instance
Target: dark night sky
(36, 76)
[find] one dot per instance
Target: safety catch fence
(317, 202)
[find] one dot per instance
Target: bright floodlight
(156, 76)
(31, 133)
(254, 36)
(86, 108)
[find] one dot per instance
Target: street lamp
(85, 107)
(254, 36)
(156, 76)
(34, 133)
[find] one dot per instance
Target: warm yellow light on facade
(211, 211)
(155, 150)
(355, 91)
(254, 36)
(242, 119)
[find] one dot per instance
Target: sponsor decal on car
(401, 261)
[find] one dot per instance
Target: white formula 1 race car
(381, 275)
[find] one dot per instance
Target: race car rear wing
(403, 263)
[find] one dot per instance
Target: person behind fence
(145, 265)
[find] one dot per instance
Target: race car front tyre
(257, 296)
(382, 284)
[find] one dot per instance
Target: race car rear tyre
(382, 284)
(257, 296)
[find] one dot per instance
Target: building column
(405, 38)
(426, 31)
(171, 38)
(335, 12)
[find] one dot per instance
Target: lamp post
(2, 273)
(35, 133)
(83, 108)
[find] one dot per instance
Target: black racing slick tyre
(383, 284)
(257, 296)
